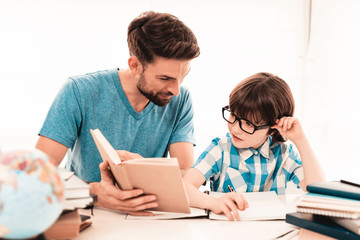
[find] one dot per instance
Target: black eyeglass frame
(226, 108)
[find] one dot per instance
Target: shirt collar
(264, 149)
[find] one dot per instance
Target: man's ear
(135, 65)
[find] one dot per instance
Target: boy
(254, 155)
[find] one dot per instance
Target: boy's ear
(135, 65)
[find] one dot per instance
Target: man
(141, 110)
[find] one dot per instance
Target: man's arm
(184, 152)
(52, 148)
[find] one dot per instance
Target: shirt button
(255, 152)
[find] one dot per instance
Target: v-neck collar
(125, 100)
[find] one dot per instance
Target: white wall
(44, 42)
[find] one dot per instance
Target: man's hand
(125, 155)
(130, 201)
(229, 204)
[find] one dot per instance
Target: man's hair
(161, 34)
(263, 97)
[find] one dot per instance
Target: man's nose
(174, 87)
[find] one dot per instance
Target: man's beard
(153, 97)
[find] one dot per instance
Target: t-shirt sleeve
(64, 117)
(184, 127)
(293, 166)
(210, 161)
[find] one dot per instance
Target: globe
(31, 194)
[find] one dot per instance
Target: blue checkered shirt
(268, 168)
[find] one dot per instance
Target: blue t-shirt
(97, 100)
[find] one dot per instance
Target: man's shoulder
(184, 92)
(92, 82)
(181, 101)
(94, 77)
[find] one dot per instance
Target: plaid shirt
(268, 168)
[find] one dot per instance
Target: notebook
(327, 205)
(262, 206)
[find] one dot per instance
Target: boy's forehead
(252, 116)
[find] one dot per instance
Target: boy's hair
(161, 34)
(263, 98)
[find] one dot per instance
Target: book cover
(67, 226)
(335, 188)
(320, 224)
(158, 176)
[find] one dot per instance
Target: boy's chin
(238, 144)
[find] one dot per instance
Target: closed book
(159, 176)
(320, 224)
(67, 226)
(335, 188)
(74, 187)
(350, 224)
(329, 206)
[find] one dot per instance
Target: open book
(262, 206)
(158, 176)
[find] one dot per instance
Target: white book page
(65, 174)
(195, 212)
(262, 206)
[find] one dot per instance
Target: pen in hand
(230, 188)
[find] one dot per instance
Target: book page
(160, 161)
(65, 174)
(195, 212)
(262, 206)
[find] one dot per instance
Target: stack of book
(329, 208)
(70, 222)
(76, 192)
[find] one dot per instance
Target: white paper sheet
(262, 206)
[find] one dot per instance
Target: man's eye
(164, 78)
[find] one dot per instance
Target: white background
(313, 45)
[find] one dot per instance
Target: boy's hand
(290, 128)
(230, 203)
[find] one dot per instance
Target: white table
(112, 225)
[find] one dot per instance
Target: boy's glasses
(244, 124)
